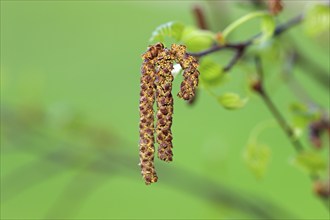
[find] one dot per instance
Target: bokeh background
(69, 120)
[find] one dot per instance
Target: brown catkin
(164, 99)
(190, 73)
(147, 99)
(156, 84)
(275, 6)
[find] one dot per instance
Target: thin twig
(259, 88)
(239, 53)
(281, 121)
(240, 48)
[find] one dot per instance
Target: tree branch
(239, 53)
(240, 47)
(259, 88)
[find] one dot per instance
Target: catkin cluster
(156, 85)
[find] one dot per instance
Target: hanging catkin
(147, 99)
(164, 99)
(156, 84)
(190, 73)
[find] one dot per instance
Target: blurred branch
(259, 88)
(238, 55)
(292, 82)
(107, 162)
(313, 71)
(85, 181)
(297, 89)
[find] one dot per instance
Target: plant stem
(281, 121)
(240, 21)
(259, 88)
(236, 46)
(239, 53)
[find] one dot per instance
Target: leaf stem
(241, 21)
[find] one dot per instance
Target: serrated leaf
(257, 158)
(196, 39)
(317, 19)
(310, 161)
(211, 73)
(171, 29)
(232, 101)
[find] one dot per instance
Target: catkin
(190, 73)
(275, 6)
(164, 99)
(156, 85)
(147, 99)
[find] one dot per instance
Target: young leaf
(196, 39)
(211, 73)
(267, 28)
(317, 19)
(310, 161)
(302, 116)
(257, 158)
(171, 29)
(232, 101)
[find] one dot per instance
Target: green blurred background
(69, 121)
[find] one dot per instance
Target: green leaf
(302, 115)
(196, 39)
(317, 19)
(232, 101)
(211, 73)
(171, 29)
(257, 158)
(310, 161)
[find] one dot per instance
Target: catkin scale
(164, 100)
(147, 99)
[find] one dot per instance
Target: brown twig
(238, 54)
(259, 88)
(240, 47)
